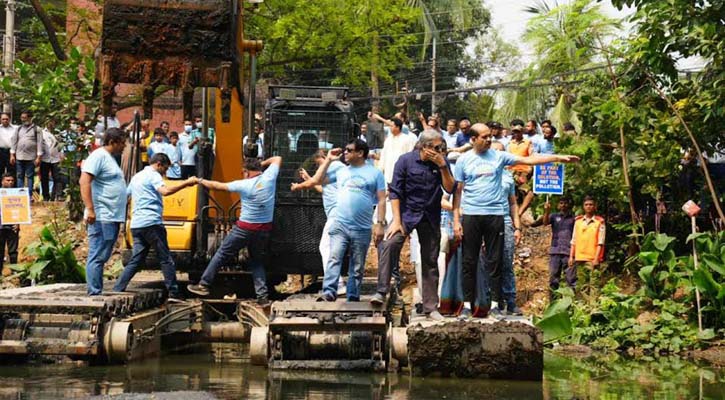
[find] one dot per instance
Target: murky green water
(198, 377)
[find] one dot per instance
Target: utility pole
(433, 83)
(9, 46)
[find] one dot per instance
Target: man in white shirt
(397, 144)
(50, 164)
(6, 135)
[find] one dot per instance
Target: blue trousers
(101, 238)
(143, 240)
(236, 240)
(25, 169)
(342, 239)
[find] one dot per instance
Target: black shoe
(199, 289)
(263, 302)
(326, 297)
(418, 308)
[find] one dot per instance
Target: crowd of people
(458, 194)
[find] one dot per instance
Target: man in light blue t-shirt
(329, 203)
(359, 187)
(147, 228)
(257, 192)
(103, 190)
(478, 197)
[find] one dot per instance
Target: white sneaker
(341, 288)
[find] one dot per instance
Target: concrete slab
(485, 348)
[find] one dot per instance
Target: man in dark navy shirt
(562, 226)
(415, 194)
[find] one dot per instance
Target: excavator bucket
(178, 43)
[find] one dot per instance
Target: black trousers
(9, 237)
(488, 229)
(430, 242)
(188, 171)
(47, 171)
(5, 162)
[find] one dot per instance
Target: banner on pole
(15, 206)
(549, 179)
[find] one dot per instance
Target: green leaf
(555, 326)
(714, 264)
(706, 334)
(662, 241)
(705, 283)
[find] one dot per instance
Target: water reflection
(200, 378)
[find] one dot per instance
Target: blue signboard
(549, 179)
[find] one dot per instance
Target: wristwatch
(383, 223)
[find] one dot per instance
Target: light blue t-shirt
(481, 174)
(148, 205)
(188, 156)
(156, 147)
(509, 189)
(174, 153)
(329, 190)
(544, 146)
(257, 196)
(108, 186)
(357, 192)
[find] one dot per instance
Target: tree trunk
(49, 29)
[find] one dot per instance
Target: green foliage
(54, 260)
(50, 88)
(659, 318)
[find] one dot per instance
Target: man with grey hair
(419, 178)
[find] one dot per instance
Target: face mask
(187, 128)
(100, 118)
(26, 123)
(199, 125)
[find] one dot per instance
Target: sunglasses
(350, 150)
(438, 148)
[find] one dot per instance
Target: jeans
(508, 284)
(101, 238)
(25, 169)
(8, 237)
(357, 242)
(476, 229)
(143, 240)
(430, 240)
(236, 240)
(48, 170)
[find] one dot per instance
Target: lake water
(197, 376)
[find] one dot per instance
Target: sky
(509, 17)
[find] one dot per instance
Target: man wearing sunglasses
(419, 178)
(359, 186)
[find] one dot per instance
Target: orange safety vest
(586, 239)
(520, 149)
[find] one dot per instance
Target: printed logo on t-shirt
(355, 184)
(485, 170)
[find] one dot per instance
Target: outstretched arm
(321, 173)
(214, 185)
(538, 159)
(168, 191)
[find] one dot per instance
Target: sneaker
(326, 297)
(378, 299)
(435, 316)
(199, 289)
(465, 314)
(418, 308)
(176, 298)
(341, 289)
(495, 312)
(514, 311)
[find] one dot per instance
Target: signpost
(549, 179)
(15, 206)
